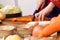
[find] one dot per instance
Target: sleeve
(56, 2)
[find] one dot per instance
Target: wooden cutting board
(8, 21)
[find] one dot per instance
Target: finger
(36, 15)
(40, 17)
(43, 17)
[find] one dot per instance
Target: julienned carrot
(51, 28)
(24, 19)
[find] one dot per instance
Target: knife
(36, 11)
(33, 18)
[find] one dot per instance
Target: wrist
(36, 11)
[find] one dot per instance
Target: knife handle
(33, 18)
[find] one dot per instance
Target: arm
(49, 8)
(39, 3)
(56, 2)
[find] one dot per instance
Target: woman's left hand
(41, 15)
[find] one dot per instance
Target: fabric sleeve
(56, 2)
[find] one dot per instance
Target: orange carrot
(51, 28)
(24, 19)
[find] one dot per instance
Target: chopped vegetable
(13, 37)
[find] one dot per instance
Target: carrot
(51, 28)
(24, 19)
(14, 19)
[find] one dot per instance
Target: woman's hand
(41, 15)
